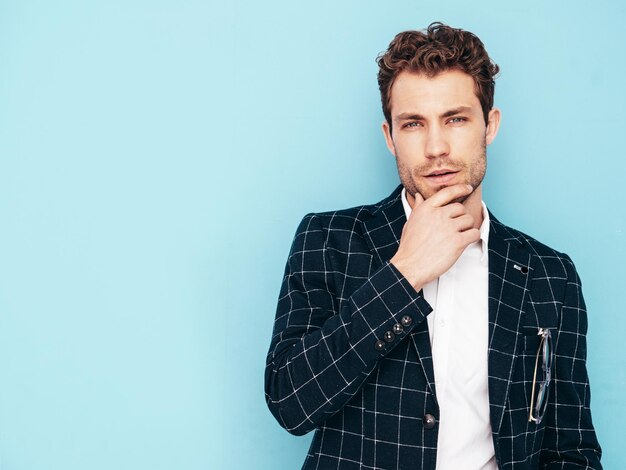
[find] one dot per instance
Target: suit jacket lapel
(509, 273)
(384, 227)
(383, 230)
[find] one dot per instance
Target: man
(420, 332)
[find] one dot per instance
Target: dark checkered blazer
(340, 295)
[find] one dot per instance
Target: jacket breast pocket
(540, 316)
(534, 329)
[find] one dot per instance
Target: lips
(441, 175)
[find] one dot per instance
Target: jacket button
(406, 320)
(429, 421)
(380, 345)
(524, 269)
(398, 328)
(389, 336)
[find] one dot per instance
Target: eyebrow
(417, 117)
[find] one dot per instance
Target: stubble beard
(475, 170)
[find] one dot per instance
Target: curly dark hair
(437, 49)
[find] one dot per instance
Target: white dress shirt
(458, 328)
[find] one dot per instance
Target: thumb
(417, 197)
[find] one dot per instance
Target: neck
(474, 206)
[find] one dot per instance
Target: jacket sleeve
(319, 357)
(570, 440)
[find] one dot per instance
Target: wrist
(408, 272)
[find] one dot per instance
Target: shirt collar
(484, 227)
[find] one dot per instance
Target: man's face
(439, 134)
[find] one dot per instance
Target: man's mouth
(443, 171)
(442, 175)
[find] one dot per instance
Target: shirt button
(406, 320)
(429, 421)
(380, 345)
(389, 336)
(398, 328)
(442, 323)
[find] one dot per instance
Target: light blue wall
(156, 157)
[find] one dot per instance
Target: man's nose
(436, 143)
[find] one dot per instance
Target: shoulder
(349, 219)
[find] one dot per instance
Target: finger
(449, 193)
(470, 236)
(464, 222)
(454, 209)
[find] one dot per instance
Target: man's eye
(456, 120)
(412, 124)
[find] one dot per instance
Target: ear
(388, 138)
(493, 124)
